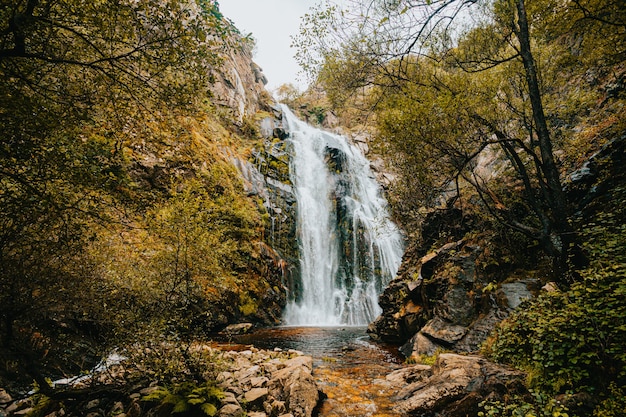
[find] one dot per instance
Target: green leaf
(196, 401)
(181, 406)
(209, 409)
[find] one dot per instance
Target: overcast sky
(271, 23)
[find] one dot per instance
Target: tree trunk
(559, 237)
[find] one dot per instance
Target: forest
(125, 223)
(117, 181)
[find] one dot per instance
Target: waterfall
(349, 248)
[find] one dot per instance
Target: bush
(573, 341)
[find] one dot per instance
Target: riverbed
(348, 366)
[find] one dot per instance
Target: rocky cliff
(463, 277)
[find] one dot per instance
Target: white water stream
(349, 248)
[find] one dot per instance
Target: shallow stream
(347, 365)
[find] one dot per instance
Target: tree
(82, 83)
(482, 67)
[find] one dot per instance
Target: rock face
(588, 186)
(445, 301)
(266, 176)
(454, 386)
(240, 84)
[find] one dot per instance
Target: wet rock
(601, 172)
(280, 133)
(239, 328)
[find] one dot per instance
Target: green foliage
(539, 406)
(423, 359)
(187, 399)
(205, 233)
(614, 404)
(117, 213)
(248, 306)
(573, 340)
(453, 102)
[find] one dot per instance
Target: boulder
(295, 386)
(239, 328)
(443, 331)
(454, 386)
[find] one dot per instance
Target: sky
(271, 23)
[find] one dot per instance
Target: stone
(256, 396)
(258, 382)
(150, 390)
(441, 330)
(515, 293)
(231, 410)
(274, 407)
(409, 374)
(302, 392)
(134, 410)
(5, 398)
(550, 287)
(19, 405)
(117, 409)
(280, 133)
(92, 404)
(456, 382)
(239, 328)
(61, 413)
(229, 398)
(305, 361)
(419, 344)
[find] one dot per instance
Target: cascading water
(349, 248)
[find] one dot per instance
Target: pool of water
(348, 366)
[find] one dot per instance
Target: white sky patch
(272, 23)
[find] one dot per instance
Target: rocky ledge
(454, 386)
(252, 383)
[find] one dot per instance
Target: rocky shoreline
(252, 383)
